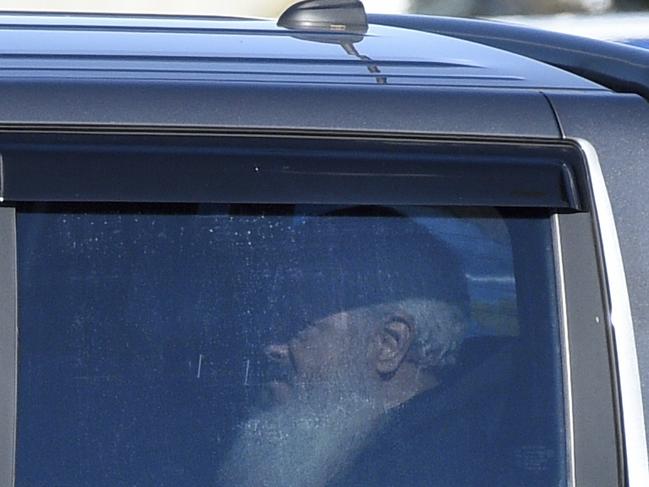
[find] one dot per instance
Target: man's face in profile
(359, 352)
(330, 353)
(320, 412)
(345, 371)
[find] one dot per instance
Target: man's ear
(393, 340)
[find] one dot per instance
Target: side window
(293, 345)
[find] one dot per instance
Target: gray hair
(439, 329)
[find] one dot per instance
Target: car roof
(195, 49)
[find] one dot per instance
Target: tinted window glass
(283, 345)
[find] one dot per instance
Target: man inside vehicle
(386, 303)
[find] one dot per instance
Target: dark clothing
(420, 446)
(445, 437)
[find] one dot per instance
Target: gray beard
(305, 442)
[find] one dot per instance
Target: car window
(243, 345)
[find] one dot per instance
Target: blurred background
(522, 7)
(272, 8)
(605, 19)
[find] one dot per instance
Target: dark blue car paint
(202, 77)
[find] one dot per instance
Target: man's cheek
(311, 366)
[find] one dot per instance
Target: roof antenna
(346, 18)
(341, 16)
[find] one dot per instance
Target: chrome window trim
(633, 421)
(565, 353)
(8, 346)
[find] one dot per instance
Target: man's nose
(277, 352)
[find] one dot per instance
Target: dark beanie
(316, 266)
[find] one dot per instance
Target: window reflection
(293, 346)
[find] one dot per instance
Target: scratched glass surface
(287, 346)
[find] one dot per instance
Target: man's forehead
(340, 321)
(356, 319)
